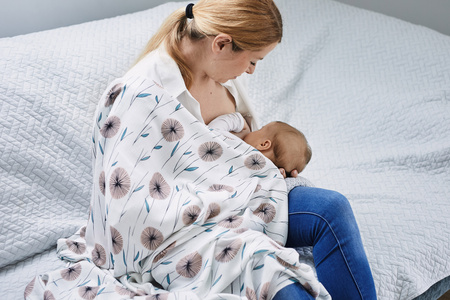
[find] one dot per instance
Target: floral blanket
(178, 211)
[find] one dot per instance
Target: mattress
(370, 92)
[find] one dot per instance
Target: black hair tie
(189, 13)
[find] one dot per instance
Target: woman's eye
(253, 63)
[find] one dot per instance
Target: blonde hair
(283, 137)
(252, 25)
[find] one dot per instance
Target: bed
(370, 92)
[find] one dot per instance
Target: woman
(177, 206)
(213, 42)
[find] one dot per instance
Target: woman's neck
(195, 57)
(214, 99)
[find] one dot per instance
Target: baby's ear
(264, 145)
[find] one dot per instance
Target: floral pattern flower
(231, 222)
(164, 252)
(220, 188)
(255, 162)
(102, 182)
(264, 293)
(164, 296)
(117, 240)
(210, 151)
(172, 130)
(48, 295)
(151, 238)
(76, 247)
(240, 230)
(191, 214)
(286, 264)
(190, 265)
(112, 94)
(88, 292)
(250, 294)
(111, 127)
(29, 288)
(158, 187)
(119, 183)
(310, 290)
(229, 252)
(266, 212)
(71, 273)
(124, 292)
(83, 232)
(213, 211)
(99, 255)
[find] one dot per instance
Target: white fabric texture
(370, 92)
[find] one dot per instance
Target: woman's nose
(250, 69)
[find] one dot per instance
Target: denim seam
(339, 244)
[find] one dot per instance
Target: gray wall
(434, 14)
(24, 16)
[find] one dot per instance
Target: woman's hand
(293, 173)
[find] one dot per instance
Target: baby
(284, 145)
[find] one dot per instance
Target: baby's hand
(244, 132)
(294, 173)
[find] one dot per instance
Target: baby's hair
(252, 25)
(283, 134)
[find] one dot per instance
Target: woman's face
(232, 64)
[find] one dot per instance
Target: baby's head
(283, 144)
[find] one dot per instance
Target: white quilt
(371, 93)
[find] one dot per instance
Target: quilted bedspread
(371, 93)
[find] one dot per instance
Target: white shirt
(163, 70)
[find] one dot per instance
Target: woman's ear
(220, 41)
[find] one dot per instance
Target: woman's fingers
(294, 173)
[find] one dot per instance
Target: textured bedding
(371, 93)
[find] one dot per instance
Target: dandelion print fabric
(178, 211)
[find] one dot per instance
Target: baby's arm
(233, 122)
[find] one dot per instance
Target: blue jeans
(324, 219)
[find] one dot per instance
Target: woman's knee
(326, 203)
(318, 213)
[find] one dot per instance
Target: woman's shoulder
(146, 67)
(159, 67)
